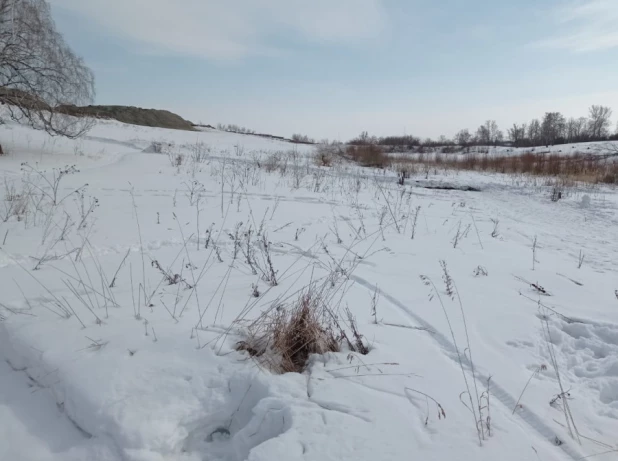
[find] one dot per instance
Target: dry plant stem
(580, 260)
(494, 232)
(113, 283)
(64, 308)
(389, 206)
(477, 231)
(197, 212)
(197, 299)
(534, 242)
(141, 248)
(204, 270)
(53, 184)
(428, 281)
(173, 316)
(488, 420)
(374, 305)
(91, 288)
(534, 373)
(135, 309)
(544, 306)
(415, 220)
(201, 313)
(565, 406)
(83, 301)
(221, 306)
(458, 235)
(441, 412)
(463, 316)
(103, 277)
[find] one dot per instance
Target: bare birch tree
(39, 72)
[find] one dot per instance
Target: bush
(272, 162)
(611, 175)
(325, 155)
(369, 155)
(283, 338)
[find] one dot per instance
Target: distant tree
(362, 139)
(599, 121)
(405, 141)
(488, 133)
(302, 138)
(463, 138)
(517, 134)
(553, 128)
(39, 72)
(534, 132)
(443, 140)
(483, 135)
(576, 129)
(233, 128)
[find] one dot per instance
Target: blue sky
(332, 68)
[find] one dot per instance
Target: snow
(163, 380)
(585, 148)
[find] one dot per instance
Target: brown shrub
(528, 161)
(610, 175)
(571, 168)
(283, 338)
(469, 162)
(554, 165)
(484, 162)
(368, 156)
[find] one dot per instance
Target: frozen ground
(148, 371)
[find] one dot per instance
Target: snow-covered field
(106, 358)
(580, 148)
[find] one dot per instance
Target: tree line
(552, 129)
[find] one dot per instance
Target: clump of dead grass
(284, 337)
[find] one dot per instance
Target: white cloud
(585, 25)
(231, 29)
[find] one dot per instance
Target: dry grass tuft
(284, 338)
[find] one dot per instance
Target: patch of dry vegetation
(596, 169)
(284, 337)
(370, 155)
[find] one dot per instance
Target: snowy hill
(134, 283)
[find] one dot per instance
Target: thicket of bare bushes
(586, 168)
(370, 155)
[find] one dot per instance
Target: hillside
(132, 115)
